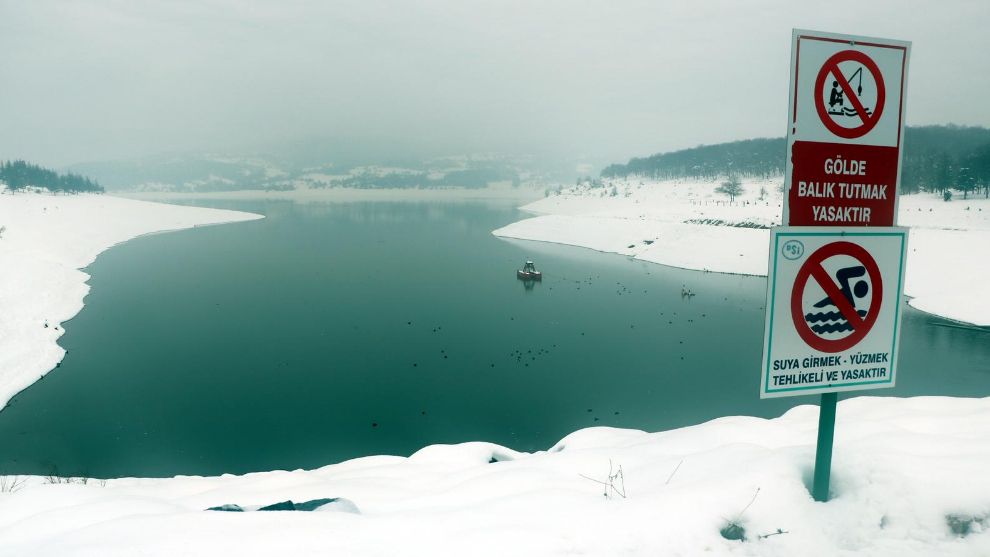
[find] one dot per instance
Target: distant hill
(935, 158)
(18, 175)
(207, 172)
(185, 173)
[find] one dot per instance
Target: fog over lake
(592, 82)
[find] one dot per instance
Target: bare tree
(731, 187)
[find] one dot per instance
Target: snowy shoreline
(47, 242)
(908, 479)
(686, 224)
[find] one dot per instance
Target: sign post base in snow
(823, 452)
(833, 319)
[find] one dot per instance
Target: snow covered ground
(686, 224)
(909, 479)
(45, 241)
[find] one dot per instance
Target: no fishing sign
(834, 300)
(845, 129)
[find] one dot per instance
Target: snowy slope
(905, 472)
(46, 240)
(688, 225)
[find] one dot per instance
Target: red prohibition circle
(831, 66)
(812, 269)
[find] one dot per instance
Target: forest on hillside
(936, 158)
(18, 175)
(752, 157)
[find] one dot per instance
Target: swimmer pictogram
(851, 302)
(822, 322)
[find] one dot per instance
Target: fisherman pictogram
(849, 94)
(836, 98)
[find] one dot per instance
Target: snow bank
(906, 472)
(686, 224)
(46, 240)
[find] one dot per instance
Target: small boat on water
(529, 272)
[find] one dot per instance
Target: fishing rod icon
(836, 99)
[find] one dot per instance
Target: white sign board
(833, 317)
(847, 88)
(845, 129)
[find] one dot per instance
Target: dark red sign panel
(838, 184)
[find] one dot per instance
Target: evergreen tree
(19, 174)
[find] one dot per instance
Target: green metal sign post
(823, 453)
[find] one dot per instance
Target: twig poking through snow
(10, 484)
(751, 501)
(610, 484)
(676, 468)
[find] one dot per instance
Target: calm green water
(330, 331)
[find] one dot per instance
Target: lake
(329, 331)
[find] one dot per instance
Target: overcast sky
(104, 79)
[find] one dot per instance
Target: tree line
(935, 159)
(939, 158)
(752, 157)
(19, 174)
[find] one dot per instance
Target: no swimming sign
(834, 301)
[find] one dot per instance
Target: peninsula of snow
(685, 223)
(45, 241)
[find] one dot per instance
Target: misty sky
(104, 79)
